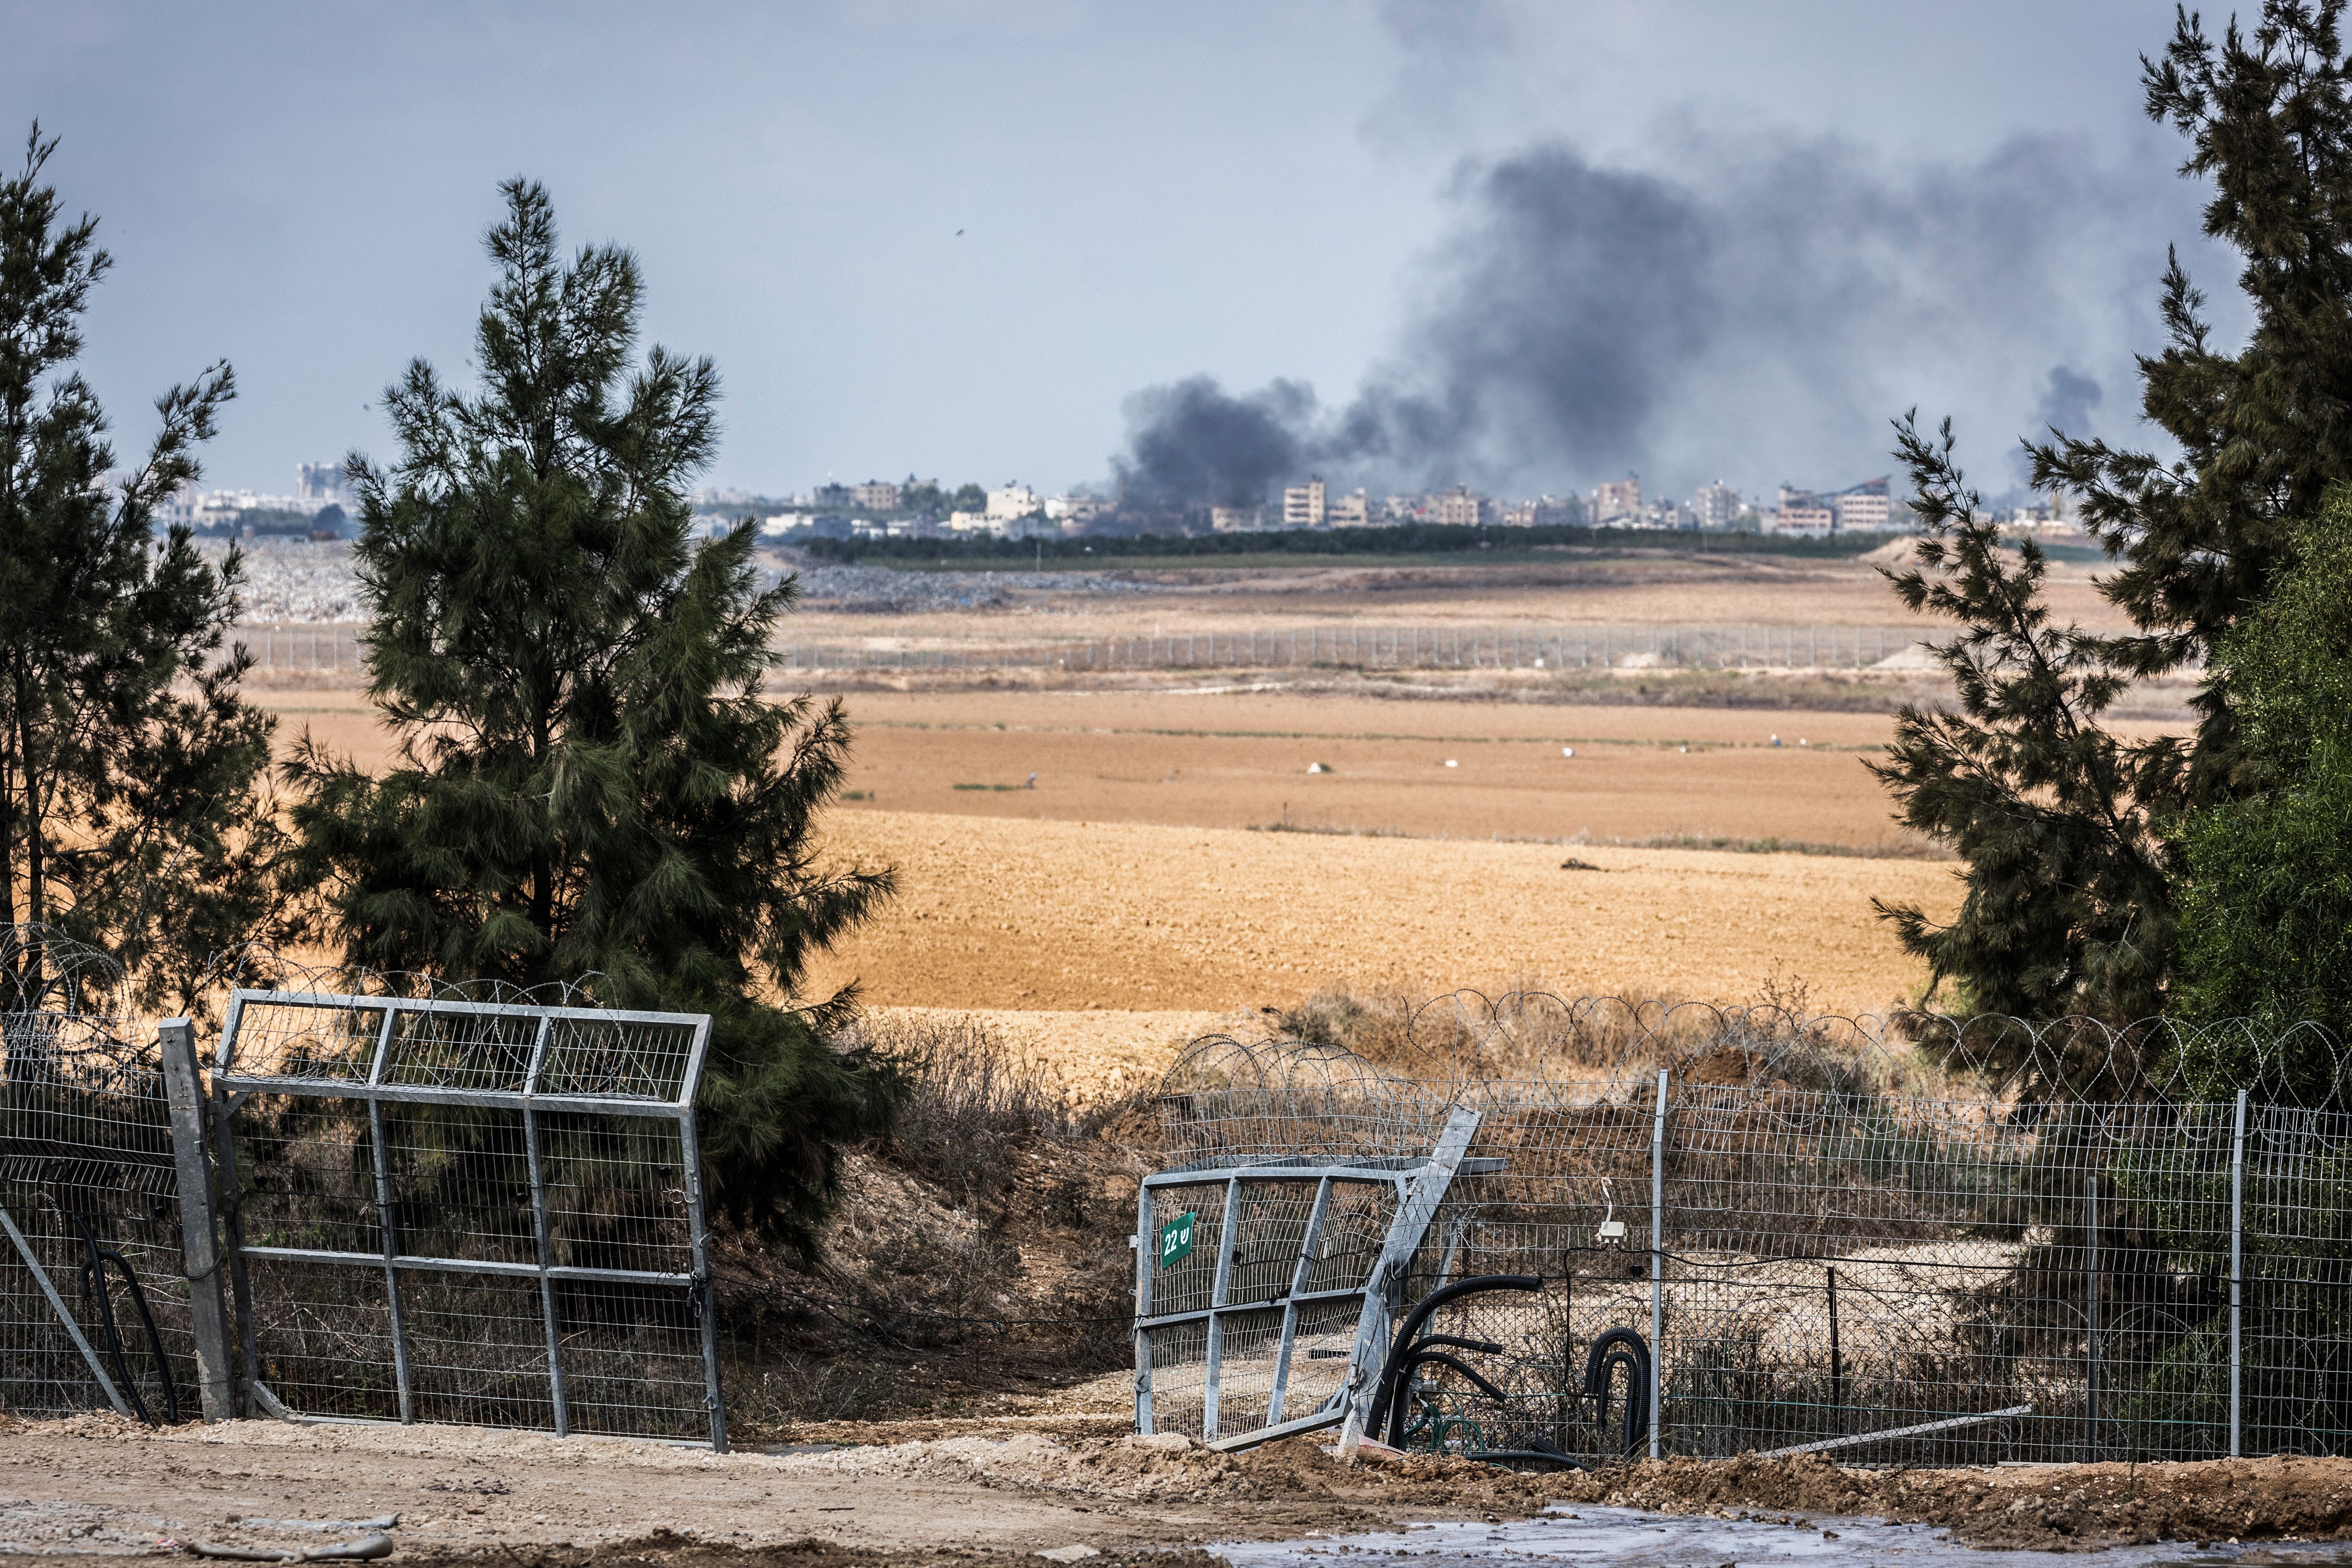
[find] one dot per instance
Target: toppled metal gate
(1241, 1269)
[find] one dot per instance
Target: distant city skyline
(978, 234)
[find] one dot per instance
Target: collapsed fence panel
(1814, 1256)
(468, 1212)
(1262, 1293)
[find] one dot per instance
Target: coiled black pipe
(1614, 1348)
(1405, 1344)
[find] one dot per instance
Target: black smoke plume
(1755, 311)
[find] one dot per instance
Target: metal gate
(468, 1212)
(1263, 1291)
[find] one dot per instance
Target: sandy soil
(1240, 758)
(1003, 913)
(98, 1484)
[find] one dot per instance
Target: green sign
(1176, 1239)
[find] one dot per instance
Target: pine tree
(2070, 874)
(2266, 907)
(590, 782)
(131, 770)
(2067, 903)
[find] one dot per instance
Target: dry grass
(979, 1248)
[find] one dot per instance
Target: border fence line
(1913, 1241)
(334, 648)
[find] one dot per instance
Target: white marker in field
(1567, 751)
(1450, 763)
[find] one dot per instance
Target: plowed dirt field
(998, 913)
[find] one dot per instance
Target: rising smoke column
(1758, 309)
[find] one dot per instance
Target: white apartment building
(1864, 508)
(1352, 510)
(1302, 506)
(1238, 520)
(1617, 499)
(1016, 500)
(1460, 509)
(1715, 506)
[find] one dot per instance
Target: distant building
(1302, 506)
(1802, 512)
(1715, 506)
(973, 523)
(1352, 510)
(1864, 508)
(1618, 500)
(1460, 509)
(1014, 500)
(875, 496)
(1238, 520)
(830, 494)
(318, 485)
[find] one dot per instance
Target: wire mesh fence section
(1384, 646)
(338, 648)
(1831, 1240)
(469, 1211)
(87, 1179)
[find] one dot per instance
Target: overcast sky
(1841, 209)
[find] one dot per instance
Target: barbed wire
(1467, 1047)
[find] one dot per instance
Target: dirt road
(97, 1485)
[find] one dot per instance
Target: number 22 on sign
(1176, 1239)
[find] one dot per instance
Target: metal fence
(465, 1211)
(94, 1306)
(1382, 646)
(337, 648)
(429, 1208)
(305, 648)
(1918, 1240)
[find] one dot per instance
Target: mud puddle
(1631, 1538)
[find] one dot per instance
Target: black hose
(1483, 1346)
(94, 1284)
(1544, 1456)
(1620, 1347)
(93, 1273)
(154, 1338)
(1404, 1345)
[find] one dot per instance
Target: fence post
(385, 1223)
(1657, 1265)
(2237, 1275)
(200, 1253)
(543, 1234)
(1147, 1253)
(2091, 1305)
